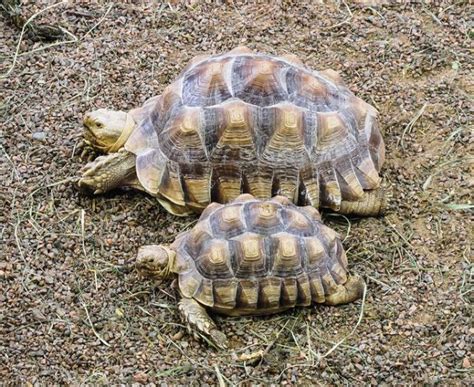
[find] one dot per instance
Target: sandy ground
(69, 313)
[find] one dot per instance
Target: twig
(399, 233)
(433, 16)
(92, 326)
(73, 40)
(11, 162)
(43, 32)
(32, 17)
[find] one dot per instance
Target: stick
(23, 32)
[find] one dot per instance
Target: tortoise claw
(219, 339)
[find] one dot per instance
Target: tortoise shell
(243, 122)
(259, 257)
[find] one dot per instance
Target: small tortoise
(252, 257)
(243, 122)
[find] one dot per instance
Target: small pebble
(39, 136)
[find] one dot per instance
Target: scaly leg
(348, 292)
(197, 318)
(108, 172)
(372, 203)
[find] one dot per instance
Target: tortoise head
(107, 130)
(155, 261)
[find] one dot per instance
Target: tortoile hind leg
(195, 315)
(351, 290)
(372, 203)
(108, 172)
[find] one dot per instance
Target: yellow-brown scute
(255, 256)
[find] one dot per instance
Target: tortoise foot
(107, 172)
(350, 291)
(195, 315)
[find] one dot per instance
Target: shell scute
(200, 235)
(250, 256)
(306, 90)
(289, 292)
(297, 223)
(228, 222)
(234, 138)
(214, 262)
(171, 185)
(182, 139)
(205, 292)
(247, 294)
(205, 84)
(263, 217)
(196, 183)
(226, 182)
(257, 81)
(304, 290)
(315, 253)
(317, 288)
(225, 292)
(286, 253)
(270, 292)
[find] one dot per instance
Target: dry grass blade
(219, 376)
(409, 126)
(359, 320)
(345, 21)
(337, 344)
(73, 39)
(92, 325)
(99, 22)
(22, 33)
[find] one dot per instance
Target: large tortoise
(243, 122)
(252, 257)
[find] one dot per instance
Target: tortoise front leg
(372, 203)
(195, 315)
(108, 172)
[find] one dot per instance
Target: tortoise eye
(100, 125)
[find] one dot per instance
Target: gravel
(70, 310)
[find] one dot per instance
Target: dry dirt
(70, 313)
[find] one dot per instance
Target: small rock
(466, 363)
(178, 335)
(39, 136)
(379, 360)
(38, 315)
(140, 377)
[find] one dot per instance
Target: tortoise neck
(170, 269)
(130, 125)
